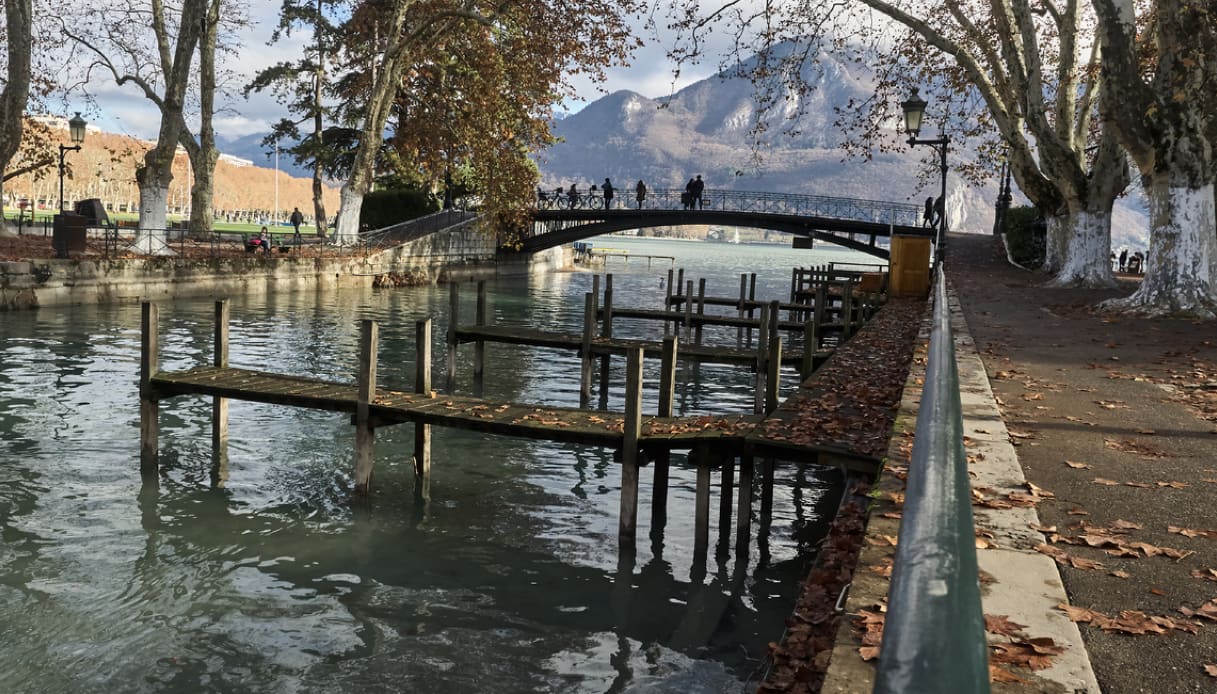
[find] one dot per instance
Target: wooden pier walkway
(805, 429)
(563, 424)
(617, 346)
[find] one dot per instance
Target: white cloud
(126, 111)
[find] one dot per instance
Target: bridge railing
(934, 634)
(857, 209)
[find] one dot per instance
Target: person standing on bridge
(699, 187)
(687, 198)
(608, 193)
(640, 193)
(572, 196)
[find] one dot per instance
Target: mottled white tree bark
(1162, 115)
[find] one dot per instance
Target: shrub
(382, 208)
(1025, 235)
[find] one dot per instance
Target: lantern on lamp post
(76, 130)
(914, 113)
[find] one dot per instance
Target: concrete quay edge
(1017, 582)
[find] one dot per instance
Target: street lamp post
(914, 110)
(76, 129)
(1003, 196)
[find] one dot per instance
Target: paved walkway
(1106, 419)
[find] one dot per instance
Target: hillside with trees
(105, 168)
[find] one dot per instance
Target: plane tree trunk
(1162, 116)
(18, 25)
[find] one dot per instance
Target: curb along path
(1036, 647)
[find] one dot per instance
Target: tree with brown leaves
(467, 85)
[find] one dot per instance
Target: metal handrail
(877, 211)
(934, 634)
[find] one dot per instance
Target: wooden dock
(714, 442)
(585, 252)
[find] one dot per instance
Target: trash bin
(68, 234)
(94, 212)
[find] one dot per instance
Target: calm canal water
(276, 581)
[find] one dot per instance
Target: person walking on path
(608, 193)
(640, 193)
(1123, 258)
(296, 219)
(927, 218)
(699, 187)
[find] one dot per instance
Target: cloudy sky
(124, 110)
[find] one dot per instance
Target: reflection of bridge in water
(850, 222)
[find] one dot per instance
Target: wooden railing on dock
(713, 442)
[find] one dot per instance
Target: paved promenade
(1092, 441)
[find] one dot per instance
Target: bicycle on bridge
(567, 199)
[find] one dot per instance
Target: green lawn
(10, 213)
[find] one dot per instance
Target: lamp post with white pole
(914, 111)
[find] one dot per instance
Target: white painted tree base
(1087, 261)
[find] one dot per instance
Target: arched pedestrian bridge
(849, 222)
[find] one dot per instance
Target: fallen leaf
(1107, 482)
(1120, 574)
(1206, 574)
(999, 674)
(1192, 532)
(1210, 670)
(1001, 624)
(1078, 466)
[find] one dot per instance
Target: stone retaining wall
(439, 257)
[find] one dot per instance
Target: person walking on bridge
(640, 193)
(608, 193)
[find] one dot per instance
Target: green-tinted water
(277, 581)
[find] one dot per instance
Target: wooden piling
(767, 487)
(629, 448)
(606, 330)
(585, 351)
(774, 377)
(688, 310)
(810, 345)
(751, 297)
(422, 432)
(667, 302)
(743, 522)
(700, 456)
(701, 306)
(820, 310)
(726, 498)
(667, 396)
(454, 312)
(149, 404)
(219, 405)
(365, 434)
(847, 310)
(479, 346)
(762, 363)
(743, 296)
